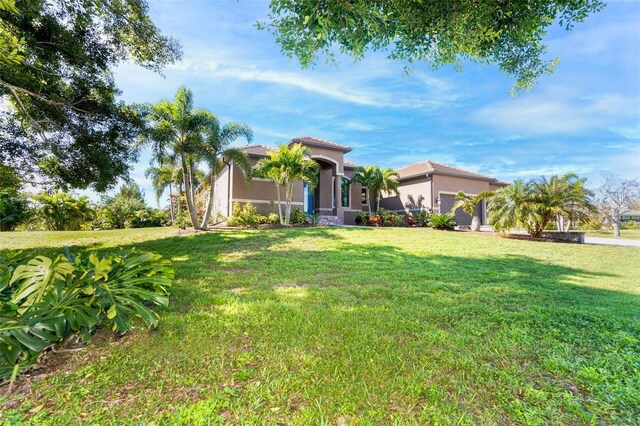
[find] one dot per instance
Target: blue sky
(583, 118)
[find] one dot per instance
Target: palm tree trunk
(210, 204)
(279, 203)
(368, 200)
(193, 187)
(173, 217)
(288, 195)
(377, 194)
(186, 174)
(179, 201)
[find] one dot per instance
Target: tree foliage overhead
(506, 33)
(61, 117)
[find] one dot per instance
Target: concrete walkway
(612, 241)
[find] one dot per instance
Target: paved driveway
(611, 241)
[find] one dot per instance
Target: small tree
(284, 167)
(469, 204)
(121, 209)
(62, 212)
(375, 180)
(535, 203)
(616, 197)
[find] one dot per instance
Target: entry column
(338, 192)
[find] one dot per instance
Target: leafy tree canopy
(61, 118)
(507, 33)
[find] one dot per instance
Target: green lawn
(633, 234)
(357, 326)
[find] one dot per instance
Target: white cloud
(359, 126)
(548, 114)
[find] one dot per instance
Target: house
(431, 186)
(334, 179)
(425, 185)
(630, 216)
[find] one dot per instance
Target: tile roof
(350, 165)
(308, 140)
(256, 150)
(426, 167)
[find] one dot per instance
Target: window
(345, 192)
(364, 195)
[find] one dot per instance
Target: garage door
(447, 202)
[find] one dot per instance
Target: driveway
(611, 241)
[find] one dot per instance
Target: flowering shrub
(374, 220)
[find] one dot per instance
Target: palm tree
(216, 147)
(284, 167)
(176, 127)
(388, 182)
(566, 199)
(161, 178)
(469, 205)
(532, 205)
(376, 180)
(512, 207)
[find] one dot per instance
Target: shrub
(273, 218)
(63, 212)
(374, 220)
(593, 222)
(385, 216)
(362, 218)
(44, 301)
(397, 220)
(630, 224)
(14, 210)
(148, 218)
(411, 221)
(314, 218)
(442, 221)
(245, 215)
(298, 217)
(422, 218)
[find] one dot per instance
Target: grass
(357, 326)
(633, 234)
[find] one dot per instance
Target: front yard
(356, 326)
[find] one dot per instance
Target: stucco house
(425, 185)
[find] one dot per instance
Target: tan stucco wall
(260, 192)
(328, 155)
(452, 184)
(415, 194)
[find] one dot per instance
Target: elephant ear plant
(44, 301)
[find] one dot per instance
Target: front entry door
(308, 199)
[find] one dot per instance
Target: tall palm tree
(176, 127)
(469, 205)
(284, 167)
(216, 147)
(161, 178)
(375, 180)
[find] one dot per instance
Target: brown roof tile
(426, 167)
(308, 140)
(256, 150)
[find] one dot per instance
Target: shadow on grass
(312, 303)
